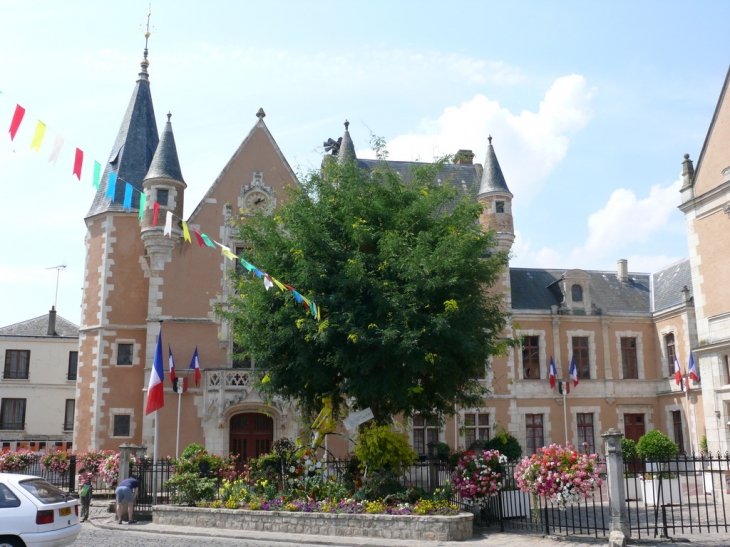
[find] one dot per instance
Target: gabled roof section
(492, 177)
(38, 326)
(165, 163)
(531, 290)
(668, 284)
(715, 117)
(258, 126)
(133, 148)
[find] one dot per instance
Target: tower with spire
(496, 199)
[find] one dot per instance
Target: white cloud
(625, 220)
(528, 145)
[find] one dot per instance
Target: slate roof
(492, 177)
(39, 327)
(347, 147)
(133, 149)
(668, 284)
(165, 163)
(531, 289)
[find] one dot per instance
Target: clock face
(257, 201)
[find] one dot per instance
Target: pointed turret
(496, 200)
(133, 148)
(347, 148)
(165, 163)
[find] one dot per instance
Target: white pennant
(268, 283)
(56, 149)
(168, 224)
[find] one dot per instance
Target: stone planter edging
(435, 528)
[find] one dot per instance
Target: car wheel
(11, 542)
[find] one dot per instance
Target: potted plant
(660, 487)
(633, 468)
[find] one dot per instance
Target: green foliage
(443, 450)
(703, 444)
(502, 441)
(190, 488)
(381, 485)
(400, 270)
(656, 446)
(196, 460)
(379, 447)
(628, 447)
(236, 491)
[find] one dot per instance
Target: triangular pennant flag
(186, 232)
(258, 273)
(318, 316)
(97, 174)
(156, 213)
(278, 284)
(250, 267)
(297, 296)
(267, 282)
(315, 309)
(207, 240)
(168, 224)
(226, 251)
(142, 203)
(198, 238)
(78, 163)
(127, 206)
(111, 185)
(57, 145)
(40, 131)
(17, 119)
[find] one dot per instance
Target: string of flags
(113, 180)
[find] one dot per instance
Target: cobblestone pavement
(103, 531)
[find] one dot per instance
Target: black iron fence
(688, 494)
(65, 481)
(153, 476)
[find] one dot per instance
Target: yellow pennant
(278, 284)
(186, 232)
(226, 251)
(40, 131)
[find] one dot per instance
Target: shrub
(656, 446)
(628, 447)
(703, 444)
(381, 448)
(479, 475)
(506, 444)
(190, 489)
(195, 459)
(56, 461)
(92, 460)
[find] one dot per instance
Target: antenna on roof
(58, 274)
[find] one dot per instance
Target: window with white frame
(586, 435)
(476, 427)
(425, 432)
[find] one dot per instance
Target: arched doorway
(251, 434)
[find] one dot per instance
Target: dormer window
(499, 206)
(576, 293)
(162, 196)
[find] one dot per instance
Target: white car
(34, 513)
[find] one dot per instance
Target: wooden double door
(251, 434)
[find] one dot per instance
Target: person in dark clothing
(85, 491)
(126, 494)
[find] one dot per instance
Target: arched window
(577, 293)
(671, 352)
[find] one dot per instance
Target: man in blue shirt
(126, 494)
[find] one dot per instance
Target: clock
(257, 202)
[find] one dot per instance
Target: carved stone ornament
(256, 197)
(726, 208)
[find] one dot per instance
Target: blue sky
(591, 106)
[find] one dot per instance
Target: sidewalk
(483, 537)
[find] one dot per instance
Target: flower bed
(426, 528)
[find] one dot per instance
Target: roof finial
(489, 138)
(169, 115)
(347, 125)
(145, 63)
(261, 114)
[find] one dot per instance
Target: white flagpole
(565, 413)
(177, 438)
(156, 444)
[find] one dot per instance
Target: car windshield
(43, 491)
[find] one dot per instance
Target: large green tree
(401, 272)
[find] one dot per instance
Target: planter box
(634, 488)
(515, 503)
(431, 528)
(671, 492)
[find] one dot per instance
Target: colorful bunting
(57, 145)
(267, 282)
(278, 284)
(111, 185)
(207, 240)
(142, 203)
(198, 238)
(168, 224)
(78, 163)
(127, 205)
(40, 131)
(250, 267)
(17, 119)
(97, 174)
(156, 213)
(186, 232)
(227, 252)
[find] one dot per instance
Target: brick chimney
(464, 157)
(52, 321)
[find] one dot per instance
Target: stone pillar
(126, 451)
(615, 481)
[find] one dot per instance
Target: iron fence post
(614, 479)
(72, 473)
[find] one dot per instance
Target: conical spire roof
(133, 148)
(347, 148)
(492, 177)
(165, 164)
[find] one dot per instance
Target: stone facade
(426, 528)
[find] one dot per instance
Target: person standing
(126, 493)
(85, 491)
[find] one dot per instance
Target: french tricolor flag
(678, 373)
(195, 365)
(172, 364)
(693, 370)
(573, 372)
(155, 390)
(553, 373)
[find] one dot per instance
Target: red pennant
(17, 118)
(78, 162)
(157, 212)
(197, 236)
